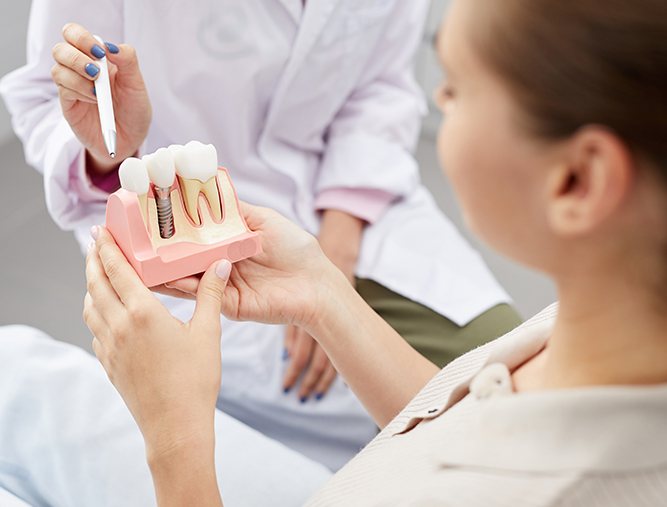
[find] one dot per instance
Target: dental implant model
(162, 172)
(178, 225)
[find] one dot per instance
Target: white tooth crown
(161, 168)
(174, 149)
(197, 161)
(133, 176)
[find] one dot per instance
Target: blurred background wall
(41, 268)
(13, 24)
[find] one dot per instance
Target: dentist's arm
(367, 164)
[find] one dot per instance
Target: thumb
(210, 293)
(125, 57)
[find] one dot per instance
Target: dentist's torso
(262, 80)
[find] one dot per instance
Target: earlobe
(591, 185)
(563, 210)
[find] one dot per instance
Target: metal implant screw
(165, 215)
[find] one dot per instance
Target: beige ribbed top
(467, 440)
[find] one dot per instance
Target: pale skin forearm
(376, 362)
(185, 474)
(381, 368)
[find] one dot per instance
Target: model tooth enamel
(162, 172)
(197, 168)
(134, 176)
(161, 168)
(174, 149)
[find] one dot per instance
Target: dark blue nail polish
(94, 91)
(113, 49)
(98, 52)
(319, 396)
(285, 354)
(287, 390)
(303, 399)
(92, 70)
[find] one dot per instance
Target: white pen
(105, 104)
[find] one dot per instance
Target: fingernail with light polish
(92, 70)
(98, 52)
(95, 231)
(223, 269)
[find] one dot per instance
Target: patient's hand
(286, 284)
(168, 372)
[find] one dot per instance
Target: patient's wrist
(167, 448)
(335, 294)
(185, 474)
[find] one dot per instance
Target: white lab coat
(296, 103)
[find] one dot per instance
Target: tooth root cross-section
(191, 188)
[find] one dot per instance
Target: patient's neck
(609, 331)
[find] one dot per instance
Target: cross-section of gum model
(177, 213)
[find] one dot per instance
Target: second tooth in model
(162, 173)
(197, 168)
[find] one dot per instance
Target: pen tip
(113, 155)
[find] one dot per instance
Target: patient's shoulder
(451, 384)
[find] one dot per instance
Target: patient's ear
(591, 184)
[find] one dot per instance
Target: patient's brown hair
(571, 63)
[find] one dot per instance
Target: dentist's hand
(167, 372)
(74, 72)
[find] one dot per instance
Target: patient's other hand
(285, 284)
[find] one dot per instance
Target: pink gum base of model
(125, 222)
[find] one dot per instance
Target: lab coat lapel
(315, 17)
(293, 7)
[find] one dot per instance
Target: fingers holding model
(168, 372)
(78, 64)
(163, 366)
(287, 283)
